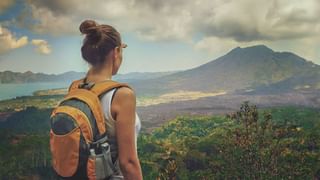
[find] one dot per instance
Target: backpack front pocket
(65, 152)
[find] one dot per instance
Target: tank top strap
(106, 100)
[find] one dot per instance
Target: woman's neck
(97, 75)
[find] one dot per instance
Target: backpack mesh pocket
(100, 165)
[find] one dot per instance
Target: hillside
(28, 77)
(240, 69)
(309, 81)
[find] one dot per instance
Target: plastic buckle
(86, 85)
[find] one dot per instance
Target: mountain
(141, 75)
(28, 76)
(240, 69)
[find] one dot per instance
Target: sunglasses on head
(123, 45)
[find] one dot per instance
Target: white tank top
(110, 122)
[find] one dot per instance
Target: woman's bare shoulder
(124, 96)
(125, 92)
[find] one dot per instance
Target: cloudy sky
(162, 35)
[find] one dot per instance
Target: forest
(251, 143)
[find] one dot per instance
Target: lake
(8, 91)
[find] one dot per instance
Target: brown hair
(98, 42)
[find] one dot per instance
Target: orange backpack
(78, 142)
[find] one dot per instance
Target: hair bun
(88, 27)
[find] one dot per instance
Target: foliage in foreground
(279, 143)
(243, 145)
(24, 156)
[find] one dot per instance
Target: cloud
(8, 41)
(221, 23)
(215, 46)
(5, 4)
(241, 20)
(42, 46)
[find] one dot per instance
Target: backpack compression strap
(102, 87)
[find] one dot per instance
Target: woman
(102, 49)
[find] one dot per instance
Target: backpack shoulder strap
(74, 85)
(98, 88)
(104, 86)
